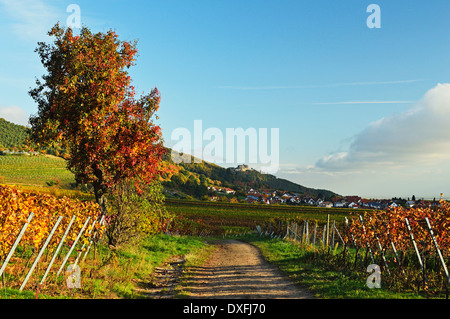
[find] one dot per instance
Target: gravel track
(237, 270)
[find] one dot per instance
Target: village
(267, 197)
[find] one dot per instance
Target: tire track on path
(237, 270)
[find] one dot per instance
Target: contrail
(315, 86)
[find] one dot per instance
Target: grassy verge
(319, 275)
(192, 261)
(116, 275)
(134, 265)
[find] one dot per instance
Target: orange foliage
(390, 226)
(16, 206)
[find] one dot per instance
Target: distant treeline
(14, 137)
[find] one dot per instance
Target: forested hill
(238, 180)
(12, 136)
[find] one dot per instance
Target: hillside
(12, 136)
(192, 179)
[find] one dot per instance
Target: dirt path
(237, 270)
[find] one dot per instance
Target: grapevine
(16, 206)
(389, 226)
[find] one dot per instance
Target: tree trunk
(100, 190)
(100, 198)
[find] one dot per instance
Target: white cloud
(420, 135)
(32, 18)
(14, 114)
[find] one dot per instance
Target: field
(34, 170)
(255, 211)
(237, 217)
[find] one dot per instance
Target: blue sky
(360, 111)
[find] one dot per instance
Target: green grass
(124, 271)
(321, 276)
(115, 275)
(9, 293)
(34, 170)
(134, 264)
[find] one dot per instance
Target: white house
(229, 190)
(353, 205)
(393, 205)
(339, 204)
(327, 204)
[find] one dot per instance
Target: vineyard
(41, 235)
(218, 219)
(34, 224)
(39, 170)
(411, 246)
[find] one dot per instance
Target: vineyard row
(398, 239)
(45, 223)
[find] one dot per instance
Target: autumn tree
(86, 103)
